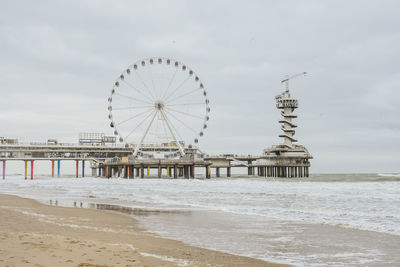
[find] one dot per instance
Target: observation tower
(287, 104)
(288, 159)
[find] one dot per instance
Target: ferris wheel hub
(159, 105)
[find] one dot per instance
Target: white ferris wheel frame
(159, 106)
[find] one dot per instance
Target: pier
(117, 161)
(169, 159)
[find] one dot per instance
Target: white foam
(389, 174)
(69, 222)
(179, 262)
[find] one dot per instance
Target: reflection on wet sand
(134, 211)
(118, 208)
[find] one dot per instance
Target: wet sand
(34, 234)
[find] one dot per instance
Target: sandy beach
(34, 234)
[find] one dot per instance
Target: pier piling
(52, 168)
(4, 169)
(32, 169)
(192, 171)
(26, 169)
(142, 172)
(187, 168)
(185, 171)
(208, 172)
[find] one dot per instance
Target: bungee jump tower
(287, 159)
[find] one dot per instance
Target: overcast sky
(59, 60)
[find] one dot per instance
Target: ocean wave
(389, 174)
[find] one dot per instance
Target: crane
(287, 78)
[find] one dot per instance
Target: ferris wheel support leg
(181, 151)
(144, 136)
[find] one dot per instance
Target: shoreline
(36, 234)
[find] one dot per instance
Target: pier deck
(107, 161)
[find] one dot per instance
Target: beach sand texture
(34, 234)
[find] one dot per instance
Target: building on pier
(287, 159)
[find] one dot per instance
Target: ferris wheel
(158, 102)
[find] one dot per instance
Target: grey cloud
(59, 60)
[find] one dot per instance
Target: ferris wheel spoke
(152, 82)
(134, 129)
(133, 98)
(186, 94)
(179, 120)
(169, 84)
(137, 90)
(186, 104)
(177, 88)
(184, 113)
(133, 107)
(144, 84)
(133, 117)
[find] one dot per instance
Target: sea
(323, 220)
